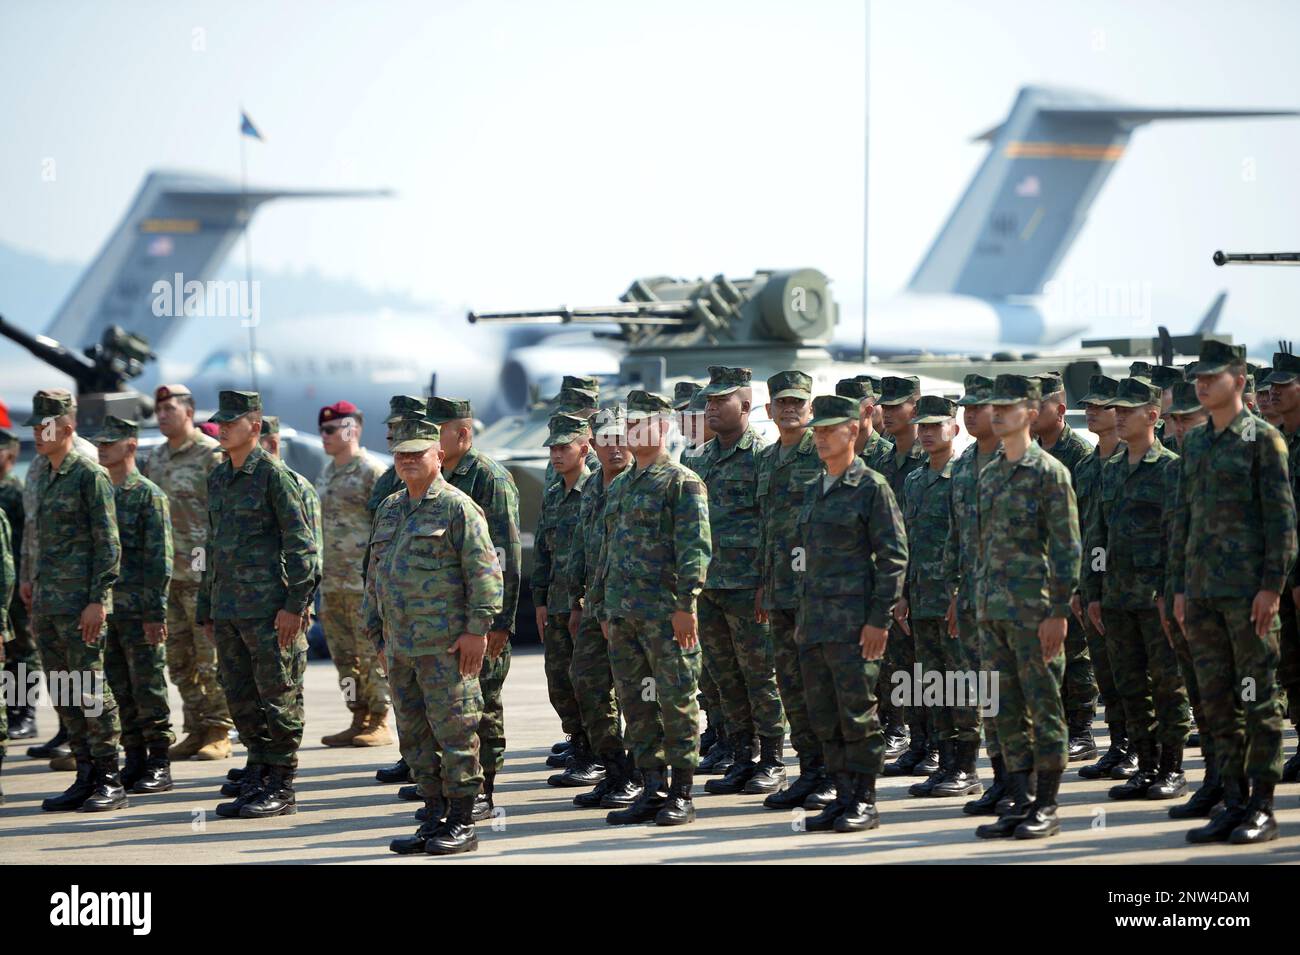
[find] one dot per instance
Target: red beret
(340, 409)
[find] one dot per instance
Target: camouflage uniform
(432, 576)
(8, 585)
(1286, 369)
(386, 484)
(183, 475)
(1087, 484)
(344, 494)
(22, 647)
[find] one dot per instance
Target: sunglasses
(331, 428)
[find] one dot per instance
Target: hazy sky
(546, 152)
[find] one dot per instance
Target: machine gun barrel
(1257, 258)
(78, 367)
(624, 313)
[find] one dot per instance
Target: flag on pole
(246, 127)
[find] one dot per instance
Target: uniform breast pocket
(764, 485)
(735, 495)
(431, 549)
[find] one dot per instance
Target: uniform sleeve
(578, 552)
(951, 566)
(1063, 544)
(27, 555)
(8, 581)
(543, 559)
(503, 525)
(481, 572)
(888, 539)
(1279, 513)
(297, 540)
(106, 562)
(692, 544)
(203, 601)
(158, 556)
(909, 489)
(1096, 535)
(1176, 561)
(370, 616)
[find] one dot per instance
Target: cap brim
(896, 401)
(966, 401)
(1210, 369)
(411, 445)
(555, 439)
(645, 415)
(1279, 378)
(224, 417)
(109, 438)
(710, 391)
(932, 419)
(1127, 403)
(1092, 399)
(793, 393)
(1185, 409)
(1009, 401)
(825, 422)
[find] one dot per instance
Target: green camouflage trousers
(1236, 673)
(78, 690)
(492, 724)
(840, 688)
(935, 650)
(192, 663)
(22, 648)
(264, 687)
(361, 676)
(738, 655)
(900, 654)
(709, 701)
(1107, 691)
(557, 647)
(1031, 715)
(137, 672)
(1288, 671)
(789, 679)
(4, 710)
(1146, 669)
(969, 630)
(1078, 684)
(438, 716)
(1183, 651)
(657, 682)
(593, 685)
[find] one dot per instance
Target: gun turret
(105, 367)
(1257, 258)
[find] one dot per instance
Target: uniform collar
(467, 461)
(1033, 454)
(745, 442)
(250, 463)
(131, 480)
(852, 475)
(353, 465)
(69, 460)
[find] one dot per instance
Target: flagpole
(248, 251)
(866, 164)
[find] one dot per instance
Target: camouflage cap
(565, 429)
(442, 410)
(1140, 369)
(232, 405)
(270, 424)
(1165, 376)
(832, 409)
(789, 384)
(724, 380)
(1100, 390)
(1216, 356)
(1286, 368)
(163, 392)
(1189, 371)
(1049, 382)
(978, 389)
(405, 406)
(683, 392)
(1011, 389)
(646, 404)
(934, 409)
(580, 383)
(414, 435)
(574, 400)
(1185, 400)
(897, 391)
(50, 403)
(116, 429)
(1134, 393)
(7, 438)
(1263, 383)
(699, 403)
(857, 390)
(609, 422)
(876, 381)
(1253, 369)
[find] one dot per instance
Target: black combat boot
(947, 759)
(770, 772)
(1082, 745)
(860, 814)
(108, 794)
(626, 790)
(709, 736)
(1203, 801)
(157, 775)
(1017, 811)
(1258, 825)
(929, 763)
(824, 821)
(1228, 818)
(562, 747)
(1170, 782)
(559, 758)
(824, 794)
(718, 759)
(896, 739)
(236, 773)
(647, 805)
(1290, 769)
(276, 799)
(410, 793)
(133, 766)
(1119, 755)
(961, 779)
(483, 803)
(71, 798)
(1139, 783)
(1005, 802)
(457, 834)
(915, 754)
(234, 784)
(250, 788)
(617, 784)
(58, 746)
(399, 772)
(1042, 820)
(793, 796)
(742, 768)
(678, 808)
(583, 768)
(21, 722)
(434, 813)
(987, 804)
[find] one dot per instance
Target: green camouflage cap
(978, 389)
(1140, 369)
(1010, 389)
(724, 380)
(574, 400)
(7, 438)
(832, 409)
(646, 404)
(50, 403)
(699, 403)
(789, 384)
(565, 429)
(1185, 400)
(934, 409)
(116, 429)
(232, 405)
(1286, 368)
(1165, 376)
(855, 389)
(1216, 356)
(897, 391)
(270, 424)
(1253, 369)
(609, 422)
(1263, 384)
(1100, 390)
(1049, 382)
(1135, 392)
(405, 406)
(581, 383)
(876, 381)
(414, 435)
(442, 410)
(683, 392)
(1189, 371)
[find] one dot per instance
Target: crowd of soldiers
(813, 586)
